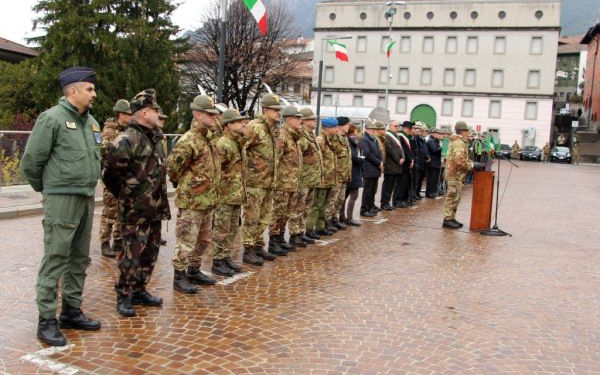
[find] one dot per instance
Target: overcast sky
(16, 17)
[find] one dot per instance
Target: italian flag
(341, 53)
(388, 49)
(257, 8)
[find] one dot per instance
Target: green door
(424, 113)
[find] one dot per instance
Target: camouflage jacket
(312, 160)
(109, 133)
(232, 180)
(341, 148)
(260, 152)
(215, 133)
(457, 162)
(193, 167)
(329, 161)
(289, 160)
(134, 171)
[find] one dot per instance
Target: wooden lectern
(483, 196)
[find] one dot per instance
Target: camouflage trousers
(302, 202)
(452, 198)
(256, 216)
(137, 260)
(282, 208)
(109, 221)
(193, 237)
(226, 228)
(316, 218)
(336, 198)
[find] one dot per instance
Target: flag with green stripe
(259, 12)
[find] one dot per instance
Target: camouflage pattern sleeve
(116, 163)
(180, 159)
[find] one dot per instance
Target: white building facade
(489, 62)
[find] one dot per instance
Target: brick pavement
(402, 297)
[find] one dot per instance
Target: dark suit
(405, 180)
(433, 170)
(392, 168)
(371, 170)
(421, 163)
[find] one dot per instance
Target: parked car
(531, 153)
(560, 154)
(505, 150)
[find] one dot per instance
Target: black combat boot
(124, 306)
(261, 253)
(117, 246)
(330, 227)
(283, 244)
(250, 256)
(324, 232)
(232, 265)
(49, 333)
(353, 222)
(460, 225)
(450, 224)
(296, 240)
(308, 239)
(194, 275)
(106, 250)
(220, 268)
(313, 235)
(73, 317)
(142, 297)
(274, 248)
(338, 224)
(182, 284)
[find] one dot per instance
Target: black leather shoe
(402, 204)
(124, 306)
(48, 332)
(71, 317)
(460, 225)
(313, 235)
(232, 265)
(338, 224)
(387, 207)
(251, 257)
(307, 239)
(450, 224)
(324, 232)
(296, 240)
(260, 252)
(182, 282)
(146, 299)
(195, 276)
(163, 242)
(106, 250)
(376, 209)
(353, 222)
(330, 227)
(220, 268)
(430, 196)
(368, 214)
(417, 197)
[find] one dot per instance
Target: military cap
(460, 126)
(271, 101)
(143, 99)
(329, 122)
(76, 74)
(221, 107)
(290, 111)
(204, 103)
(408, 124)
(379, 125)
(231, 115)
(122, 106)
(342, 120)
(437, 131)
(371, 125)
(307, 114)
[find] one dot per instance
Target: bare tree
(250, 58)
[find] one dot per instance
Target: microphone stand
(495, 231)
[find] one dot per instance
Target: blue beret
(329, 122)
(76, 74)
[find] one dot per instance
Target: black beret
(342, 120)
(408, 124)
(76, 74)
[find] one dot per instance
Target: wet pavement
(396, 297)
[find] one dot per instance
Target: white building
(489, 62)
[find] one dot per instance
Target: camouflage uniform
(337, 194)
(260, 173)
(316, 218)
(287, 177)
(109, 222)
(311, 176)
(215, 133)
(193, 167)
(232, 194)
(457, 167)
(135, 172)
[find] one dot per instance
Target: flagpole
(222, 42)
(389, 14)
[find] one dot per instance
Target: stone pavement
(399, 297)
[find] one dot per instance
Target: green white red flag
(341, 52)
(388, 49)
(259, 12)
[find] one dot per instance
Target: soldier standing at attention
(62, 161)
(546, 152)
(515, 150)
(232, 193)
(576, 154)
(109, 223)
(161, 124)
(343, 174)
(260, 168)
(458, 165)
(193, 167)
(311, 176)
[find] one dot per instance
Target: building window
(533, 79)
(470, 77)
(428, 44)
(383, 74)
(500, 45)
(359, 74)
(447, 107)
(332, 16)
(453, 15)
(502, 14)
(381, 101)
(405, 44)
(327, 100)
(474, 15)
(497, 78)
(361, 44)
(451, 44)
(363, 16)
(403, 76)
(329, 74)
(531, 109)
(430, 15)
(426, 76)
(385, 40)
(467, 108)
(406, 15)
(472, 45)
(539, 14)
(536, 47)
(357, 101)
(401, 104)
(495, 109)
(449, 77)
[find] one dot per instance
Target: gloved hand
(478, 166)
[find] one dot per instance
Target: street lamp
(389, 15)
(320, 79)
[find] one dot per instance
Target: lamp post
(223, 29)
(320, 78)
(389, 14)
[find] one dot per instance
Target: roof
(570, 44)
(10, 46)
(587, 38)
(574, 39)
